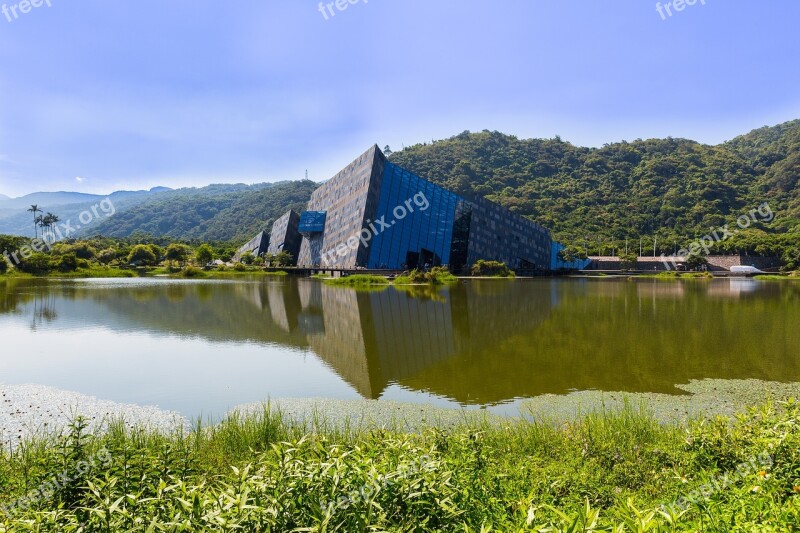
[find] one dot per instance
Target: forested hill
(213, 213)
(670, 188)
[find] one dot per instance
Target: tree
(283, 259)
(566, 255)
(37, 264)
(495, 269)
(106, 256)
(142, 254)
(247, 258)
(204, 254)
(68, 263)
(47, 222)
(52, 220)
(3, 265)
(695, 261)
(157, 251)
(791, 258)
(628, 261)
(225, 253)
(82, 250)
(177, 252)
(35, 209)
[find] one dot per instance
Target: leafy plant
(494, 269)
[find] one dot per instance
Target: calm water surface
(202, 347)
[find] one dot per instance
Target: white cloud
(79, 179)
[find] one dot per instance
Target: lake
(203, 347)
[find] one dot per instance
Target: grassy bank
(188, 272)
(672, 275)
(777, 277)
(435, 276)
(94, 272)
(358, 280)
(604, 472)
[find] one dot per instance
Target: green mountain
(672, 189)
(16, 220)
(213, 213)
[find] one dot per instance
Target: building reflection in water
(476, 343)
(375, 338)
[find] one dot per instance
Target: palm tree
(35, 209)
(47, 222)
(53, 221)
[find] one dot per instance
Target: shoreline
(30, 411)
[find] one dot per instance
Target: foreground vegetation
(606, 472)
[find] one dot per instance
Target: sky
(99, 95)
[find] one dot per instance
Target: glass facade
(413, 222)
(381, 216)
(312, 222)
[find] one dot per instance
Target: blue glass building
(376, 215)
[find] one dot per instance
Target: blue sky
(99, 95)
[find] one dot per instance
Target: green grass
(197, 273)
(93, 272)
(96, 272)
(777, 277)
(227, 274)
(435, 276)
(604, 472)
(673, 275)
(358, 280)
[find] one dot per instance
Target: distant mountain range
(16, 220)
(67, 198)
(669, 188)
(227, 212)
